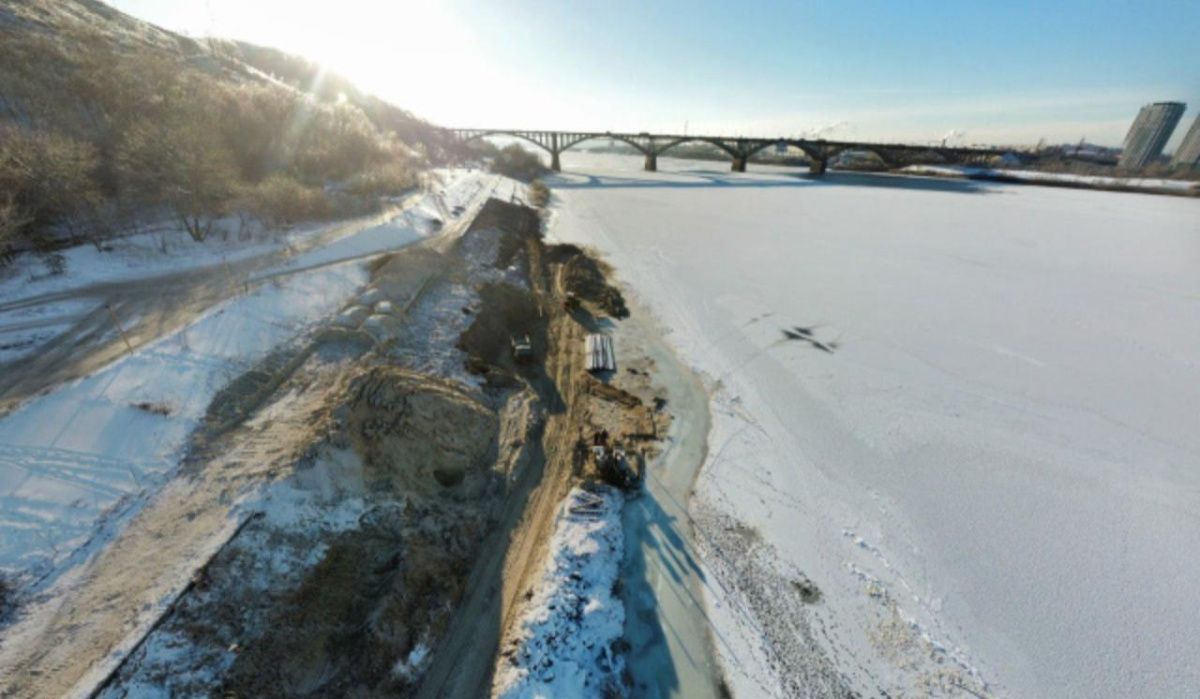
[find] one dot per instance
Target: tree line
(96, 138)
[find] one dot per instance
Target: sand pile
(419, 435)
(376, 601)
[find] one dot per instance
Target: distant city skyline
(1188, 152)
(967, 72)
(1149, 133)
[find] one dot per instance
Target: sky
(1011, 72)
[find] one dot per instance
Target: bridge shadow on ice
(704, 179)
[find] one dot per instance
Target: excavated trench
(431, 468)
(387, 558)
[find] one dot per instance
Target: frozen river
(982, 443)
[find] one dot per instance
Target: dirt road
(98, 612)
(65, 650)
(151, 307)
(464, 660)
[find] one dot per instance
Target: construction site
(408, 461)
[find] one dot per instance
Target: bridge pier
(554, 151)
(740, 148)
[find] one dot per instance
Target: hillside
(106, 119)
(306, 76)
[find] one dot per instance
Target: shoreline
(755, 585)
(659, 520)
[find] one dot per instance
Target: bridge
(739, 149)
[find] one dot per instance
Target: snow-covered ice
(567, 632)
(995, 462)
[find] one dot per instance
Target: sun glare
(415, 54)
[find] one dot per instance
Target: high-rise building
(1188, 154)
(1149, 133)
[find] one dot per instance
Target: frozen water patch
(570, 632)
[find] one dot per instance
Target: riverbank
(1143, 185)
(931, 415)
(666, 620)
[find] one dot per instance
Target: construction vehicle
(522, 349)
(614, 465)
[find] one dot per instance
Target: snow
(78, 462)
(1034, 176)
(402, 229)
(294, 517)
(140, 254)
(995, 466)
(166, 249)
(25, 329)
(79, 455)
(411, 667)
(567, 633)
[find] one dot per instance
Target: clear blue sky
(977, 71)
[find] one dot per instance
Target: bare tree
(181, 161)
(12, 221)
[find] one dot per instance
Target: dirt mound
(248, 391)
(362, 621)
(400, 276)
(509, 217)
(505, 311)
(587, 278)
(420, 435)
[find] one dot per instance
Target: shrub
(257, 120)
(384, 180)
(539, 193)
(46, 176)
(12, 220)
(280, 200)
(334, 142)
(92, 128)
(518, 163)
(178, 159)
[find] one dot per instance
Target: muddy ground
(399, 474)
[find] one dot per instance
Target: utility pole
(128, 345)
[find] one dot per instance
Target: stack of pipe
(599, 353)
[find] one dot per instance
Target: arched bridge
(740, 150)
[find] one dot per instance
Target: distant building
(1149, 133)
(1188, 155)
(1092, 153)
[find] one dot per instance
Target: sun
(414, 54)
